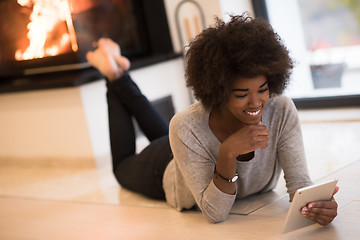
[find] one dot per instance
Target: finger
(324, 221)
(322, 212)
(325, 210)
(123, 62)
(323, 205)
(258, 130)
(336, 190)
(90, 56)
(264, 133)
(101, 42)
(258, 126)
(254, 139)
(109, 46)
(261, 142)
(318, 218)
(321, 219)
(262, 139)
(263, 145)
(114, 48)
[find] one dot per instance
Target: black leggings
(141, 172)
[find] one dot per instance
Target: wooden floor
(87, 203)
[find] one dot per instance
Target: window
(323, 38)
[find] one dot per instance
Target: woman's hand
(322, 212)
(247, 139)
(107, 59)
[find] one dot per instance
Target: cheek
(236, 103)
(236, 106)
(264, 97)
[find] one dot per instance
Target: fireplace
(44, 42)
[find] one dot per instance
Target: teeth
(253, 113)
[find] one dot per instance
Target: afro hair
(242, 47)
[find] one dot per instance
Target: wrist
(227, 153)
(230, 180)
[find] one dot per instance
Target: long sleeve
(196, 163)
(290, 149)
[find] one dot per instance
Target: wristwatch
(226, 179)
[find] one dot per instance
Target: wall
(210, 8)
(44, 126)
(68, 127)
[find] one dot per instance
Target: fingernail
(304, 211)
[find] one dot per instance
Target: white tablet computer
(323, 191)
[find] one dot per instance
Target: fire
(50, 31)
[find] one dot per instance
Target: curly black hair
(242, 47)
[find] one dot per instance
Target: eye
(241, 96)
(263, 90)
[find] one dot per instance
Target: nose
(254, 101)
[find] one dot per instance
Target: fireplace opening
(43, 43)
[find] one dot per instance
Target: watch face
(234, 178)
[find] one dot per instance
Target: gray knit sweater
(188, 177)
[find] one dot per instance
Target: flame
(44, 30)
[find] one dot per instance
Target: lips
(253, 113)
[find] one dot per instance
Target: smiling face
(247, 101)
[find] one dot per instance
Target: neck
(230, 122)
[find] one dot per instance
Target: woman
(232, 143)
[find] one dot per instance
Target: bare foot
(107, 59)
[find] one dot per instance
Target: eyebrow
(246, 89)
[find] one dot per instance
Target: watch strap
(227, 179)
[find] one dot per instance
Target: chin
(252, 120)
